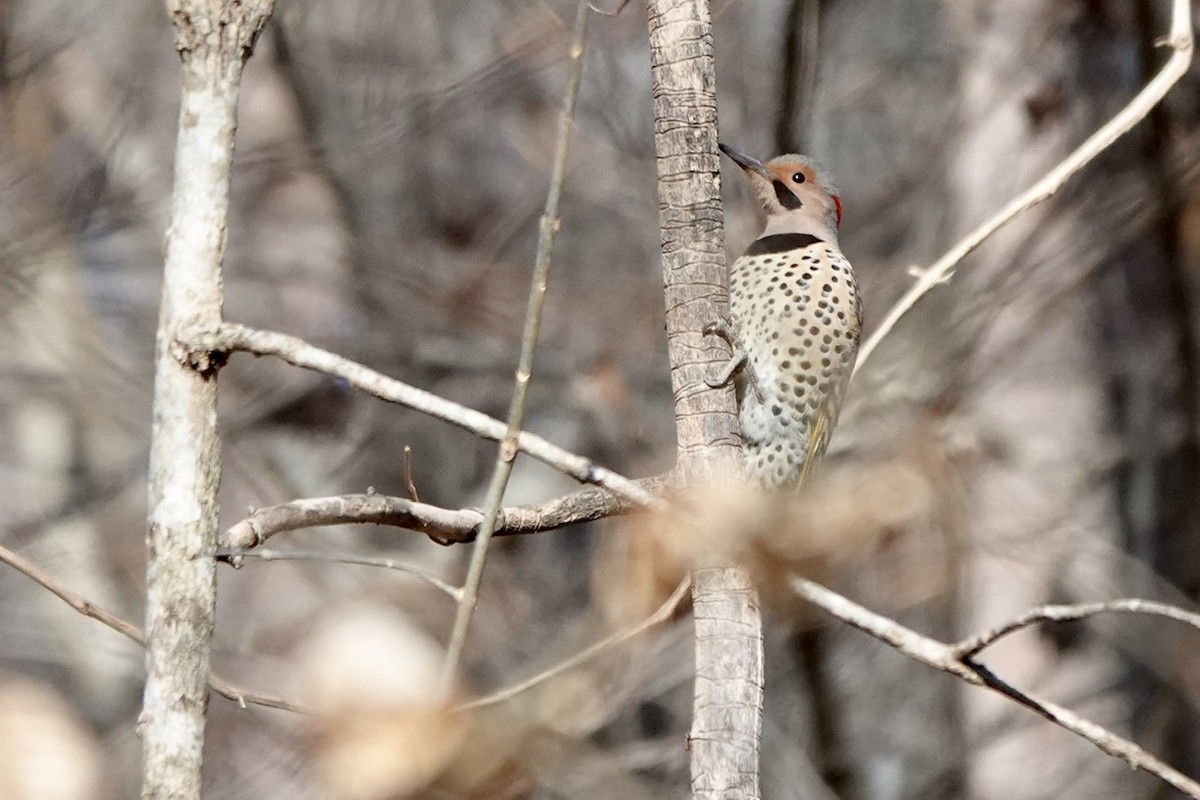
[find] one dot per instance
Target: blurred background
(1027, 435)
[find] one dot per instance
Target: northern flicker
(796, 321)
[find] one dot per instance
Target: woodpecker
(796, 321)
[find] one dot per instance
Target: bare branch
(235, 557)
(949, 658)
(1071, 613)
(1180, 40)
(547, 230)
(409, 483)
(661, 615)
(297, 352)
(133, 632)
(440, 524)
(444, 526)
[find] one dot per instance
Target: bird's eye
(799, 177)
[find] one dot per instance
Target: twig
(133, 632)
(409, 483)
(234, 557)
(444, 526)
(616, 11)
(507, 453)
(949, 658)
(1070, 613)
(297, 352)
(664, 613)
(1181, 42)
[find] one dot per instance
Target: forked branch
(959, 660)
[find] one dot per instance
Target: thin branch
(664, 613)
(1181, 42)
(507, 454)
(444, 526)
(1071, 613)
(133, 632)
(75, 601)
(297, 352)
(409, 483)
(907, 641)
(620, 7)
(234, 557)
(949, 658)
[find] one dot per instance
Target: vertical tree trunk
(727, 711)
(213, 40)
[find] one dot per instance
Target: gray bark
(727, 706)
(185, 461)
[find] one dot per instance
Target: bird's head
(793, 192)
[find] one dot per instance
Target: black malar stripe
(786, 197)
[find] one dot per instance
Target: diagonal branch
(661, 615)
(130, 631)
(1180, 40)
(507, 454)
(955, 660)
(231, 338)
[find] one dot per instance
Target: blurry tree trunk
(727, 710)
(1147, 343)
(214, 40)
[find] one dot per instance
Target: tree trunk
(185, 464)
(727, 709)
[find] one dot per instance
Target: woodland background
(1033, 425)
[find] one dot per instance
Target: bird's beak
(748, 163)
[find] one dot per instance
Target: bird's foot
(736, 364)
(739, 363)
(723, 328)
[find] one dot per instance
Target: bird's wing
(818, 440)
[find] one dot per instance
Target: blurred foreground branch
(661, 615)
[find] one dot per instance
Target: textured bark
(693, 236)
(213, 40)
(727, 708)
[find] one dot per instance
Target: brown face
(796, 184)
(788, 183)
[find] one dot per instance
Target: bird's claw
(721, 327)
(739, 363)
